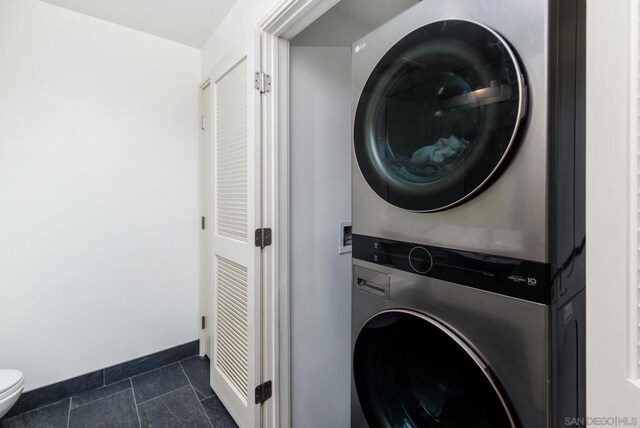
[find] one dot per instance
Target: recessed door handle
(371, 287)
(371, 282)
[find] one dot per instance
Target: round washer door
(411, 371)
(438, 115)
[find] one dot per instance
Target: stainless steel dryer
(450, 118)
(468, 216)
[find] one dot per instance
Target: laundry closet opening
(320, 208)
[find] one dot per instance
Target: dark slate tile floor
(176, 395)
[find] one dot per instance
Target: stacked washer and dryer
(468, 216)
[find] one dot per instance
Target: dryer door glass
(438, 115)
(410, 371)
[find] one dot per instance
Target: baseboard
(59, 391)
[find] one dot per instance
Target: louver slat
(232, 319)
(231, 154)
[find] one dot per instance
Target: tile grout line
(69, 413)
(163, 394)
(205, 398)
(6, 418)
(194, 393)
(135, 403)
(199, 392)
(20, 415)
(106, 396)
(104, 375)
(153, 370)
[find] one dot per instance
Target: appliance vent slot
(231, 153)
(232, 330)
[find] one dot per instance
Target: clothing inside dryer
(426, 132)
(440, 103)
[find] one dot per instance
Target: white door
(235, 259)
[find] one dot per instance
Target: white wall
(320, 179)
(241, 22)
(609, 393)
(98, 192)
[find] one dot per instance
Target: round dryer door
(439, 115)
(411, 371)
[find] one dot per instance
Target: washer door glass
(438, 115)
(410, 371)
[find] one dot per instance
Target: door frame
(204, 171)
(286, 21)
(612, 292)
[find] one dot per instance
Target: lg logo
(522, 280)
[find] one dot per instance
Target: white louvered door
(235, 260)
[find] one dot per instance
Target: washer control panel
(523, 279)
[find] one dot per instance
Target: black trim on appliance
(522, 279)
(567, 147)
(567, 242)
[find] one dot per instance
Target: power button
(420, 260)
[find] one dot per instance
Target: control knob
(420, 260)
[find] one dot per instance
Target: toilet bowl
(11, 386)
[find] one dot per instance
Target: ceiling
(349, 20)
(190, 22)
(374, 12)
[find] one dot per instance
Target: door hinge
(204, 223)
(202, 123)
(263, 237)
(263, 82)
(203, 322)
(263, 392)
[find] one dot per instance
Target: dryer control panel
(522, 279)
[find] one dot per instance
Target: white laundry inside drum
(440, 152)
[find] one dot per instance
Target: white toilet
(11, 386)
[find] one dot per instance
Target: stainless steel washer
(427, 352)
(451, 338)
